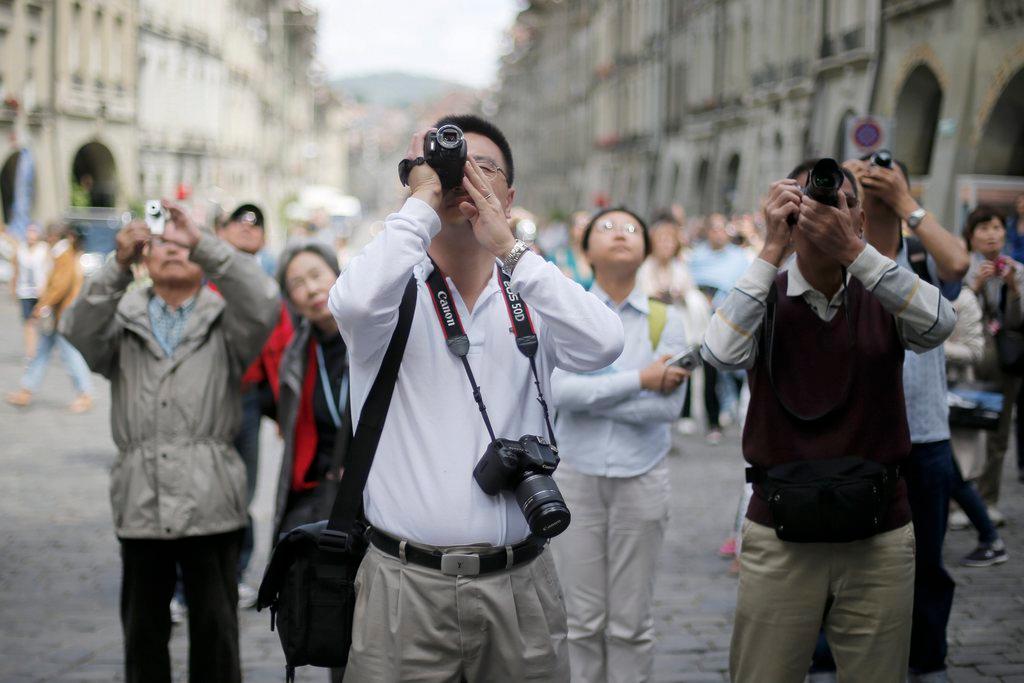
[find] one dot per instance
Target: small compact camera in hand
(156, 217)
(445, 151)
(687, 360)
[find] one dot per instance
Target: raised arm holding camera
(939, 258)
(827, 531)
(174, 354)
(452, 549)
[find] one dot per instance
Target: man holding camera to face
(174, 354)
(457, 582)
(828, 530)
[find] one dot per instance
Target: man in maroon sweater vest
(825, 383)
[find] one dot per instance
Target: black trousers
(209, 566)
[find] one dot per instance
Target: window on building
(75, 42)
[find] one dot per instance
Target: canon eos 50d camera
(525, 467)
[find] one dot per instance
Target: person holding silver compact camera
(457, 582)
(174, 354)
(615, 429)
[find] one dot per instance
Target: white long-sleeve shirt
(421, 486)
(924, 317)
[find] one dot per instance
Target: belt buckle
(460, 564)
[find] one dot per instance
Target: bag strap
(657, 316)
(349, 499)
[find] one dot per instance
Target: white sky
(459, 40)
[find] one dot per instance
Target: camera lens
(542, 505)
(449, 137)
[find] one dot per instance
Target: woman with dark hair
(614, 432)
(998, 282)
(312, 406)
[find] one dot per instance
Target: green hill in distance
(396, 89)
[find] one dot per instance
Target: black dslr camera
(883, 158)
(525, 467)
(824, 181)
(445, 151)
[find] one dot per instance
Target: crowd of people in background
(277, 352)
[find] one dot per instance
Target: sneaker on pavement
(714, 437)
(728, 548)
(81, 404)
(178, 611)
(246, 596)
(958, 520)
(996, 516)
(986, 555)
(687, 426)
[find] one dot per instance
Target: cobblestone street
(60, 572)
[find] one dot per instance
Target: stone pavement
(59, 568)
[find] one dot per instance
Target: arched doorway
(94, 176)
(917, 115)
(7, 175)
(1001, 150)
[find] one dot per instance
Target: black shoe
(986, 555)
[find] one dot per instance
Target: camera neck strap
(458, 341)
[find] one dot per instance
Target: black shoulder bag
(309, 582)
(832, 500)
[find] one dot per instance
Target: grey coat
(292, 373)
(174, 418)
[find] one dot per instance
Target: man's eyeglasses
(627, 228)
(490, 171)
(158, 241)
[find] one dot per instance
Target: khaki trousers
(417, 624)
(606, 561)
(783, 591)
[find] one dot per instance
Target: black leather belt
(459, 564)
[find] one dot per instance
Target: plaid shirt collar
(169, 323)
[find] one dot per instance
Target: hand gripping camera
(445, 151)
(525, 467)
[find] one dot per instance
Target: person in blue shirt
(613, 429)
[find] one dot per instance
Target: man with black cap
(244, 230)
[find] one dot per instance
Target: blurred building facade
(704, 102)
(117, 101)
(68, 90)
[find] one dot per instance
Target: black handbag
(309, 581)
(1010, 351)
(826, 501)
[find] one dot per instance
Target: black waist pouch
(826, 501)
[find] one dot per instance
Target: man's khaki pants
(417, 624)
(606, 561)
(784, 588)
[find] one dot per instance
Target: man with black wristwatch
(457, 582)
(828, 530)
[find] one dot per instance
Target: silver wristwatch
(915, 218)
(509, 261)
